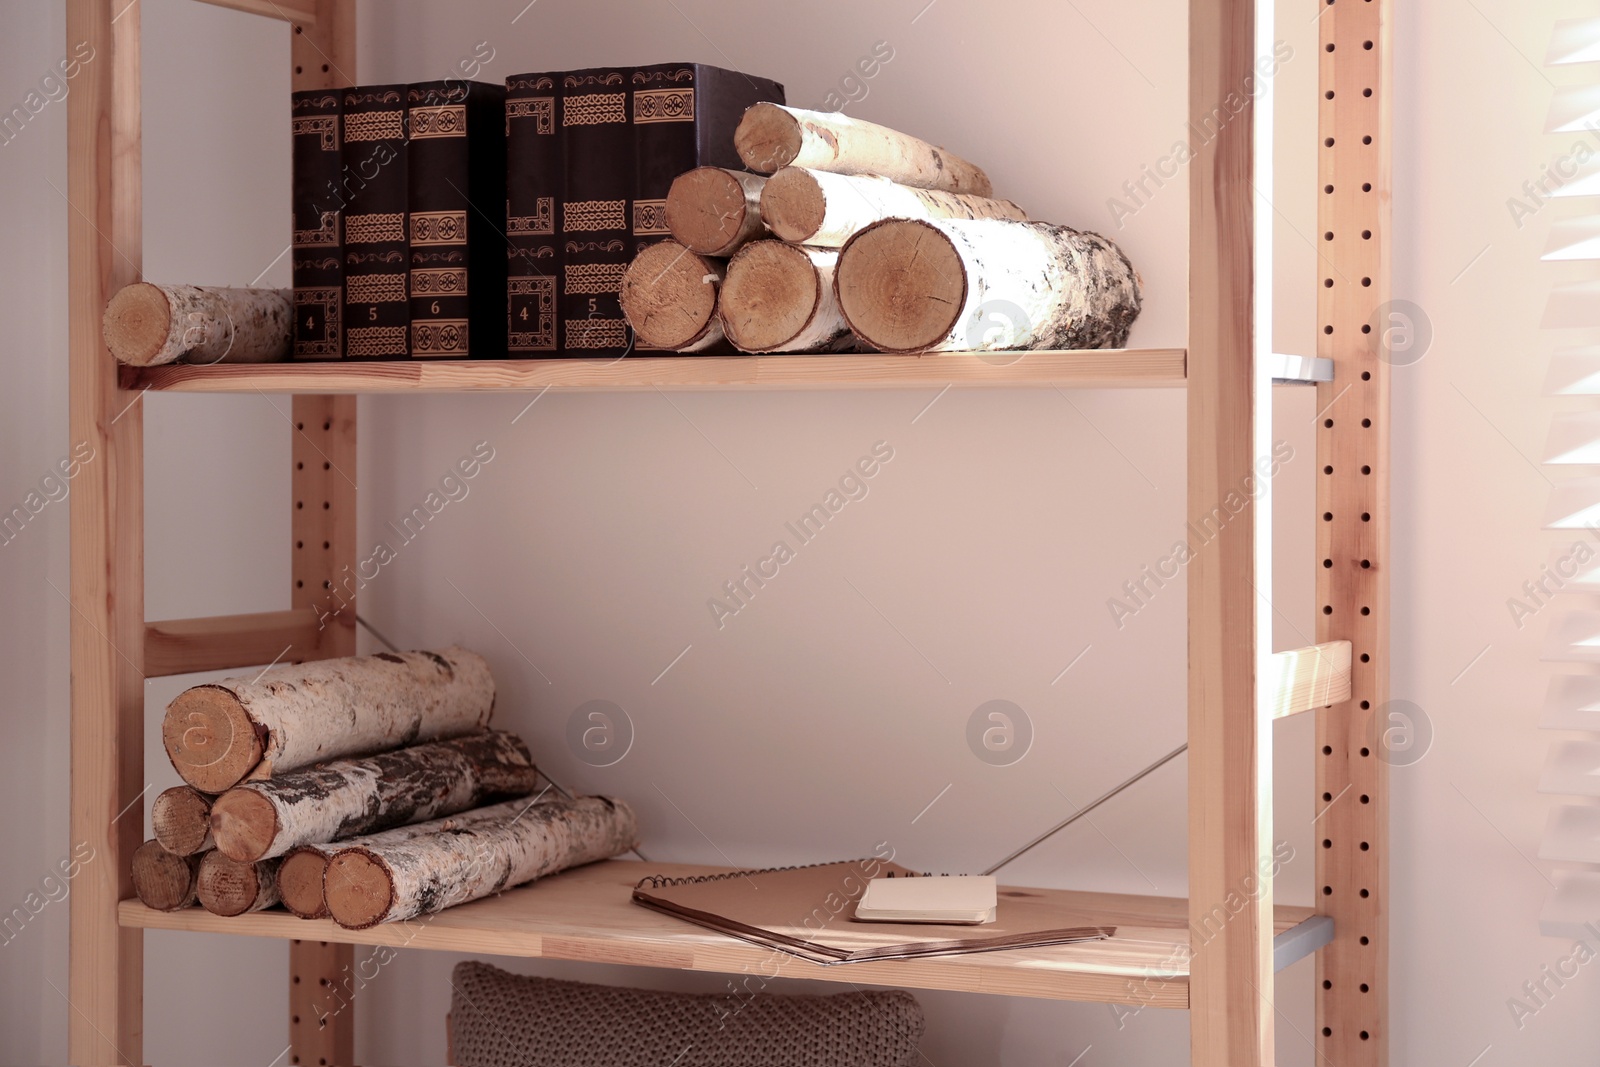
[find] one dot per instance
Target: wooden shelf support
(231, 642)
(1308, 678)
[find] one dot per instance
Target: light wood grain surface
(586, 914)
(1086, 369)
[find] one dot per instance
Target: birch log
(714, 211)
(348, 798)
(226, 887)
(147, 324)
(301, 874)
(293, 716)
(985, 285)
(771, 137)
(300, 881)
(779, 298)
(669, 297)
(181, 819)
(813, 207)
(475, 854)
(163, 880)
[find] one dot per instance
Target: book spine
(317, 263)
(451, 127)
(486, 238)
(534, 177)
(376, 312)
(596, 239)
(661, 107)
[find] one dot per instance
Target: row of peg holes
(300, 504)
(295, 1019)
(1327, 750)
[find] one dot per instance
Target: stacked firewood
(846, 234)
(366, 789)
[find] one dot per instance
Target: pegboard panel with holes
(1354, 317)
(321, 1012)
(323, 525)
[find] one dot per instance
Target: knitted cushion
(500, 1020)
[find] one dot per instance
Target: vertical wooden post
(322, 1027)
(107, 554)
(1230, 738)
(1365, 337)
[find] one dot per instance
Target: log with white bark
(949, 285)
(164, 880)
(295, 715)
(299, 881)
(227, 887)
(814, 207)
(771, 137)
(181, 819)
(669, 297)
(715, 211)
(146, 324)
(779, 298)
(474, 855)
(349, 798)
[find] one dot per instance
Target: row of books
(458, 219)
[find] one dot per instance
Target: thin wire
(557, 786)
(390, 645)
(1081, 812)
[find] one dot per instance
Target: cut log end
(300, 879)
(669, 295)
(244, 824)
(210, 739)
(793, 205)
(358, 889)
(768, 138)
(162, 880)
(770, 295)
(136, 323)
(226, 887)
(707, 210)
(181, 819)
(902, 286)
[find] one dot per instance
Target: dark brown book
(317, 266)
(596, 241)
(376, 314)
(684, 115)
(455, 178)
(534, 178)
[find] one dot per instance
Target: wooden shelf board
(587, 915)
(1109, 368)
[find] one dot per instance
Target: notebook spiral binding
(661, 881)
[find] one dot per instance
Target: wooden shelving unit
(1215, 953)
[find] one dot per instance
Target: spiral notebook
(809, 912)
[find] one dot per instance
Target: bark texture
(814, 207)
(348, 798)
(470, 856)
(163, 880)
(147, 324)
(181, 819)
(669, 296)
(771, 137)
(293, 716)
(779, 298)
(714, 211)
(226, 887)
(952, 285)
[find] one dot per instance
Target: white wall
(826, 716)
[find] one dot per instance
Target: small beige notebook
(809, 911)
(956, 899)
